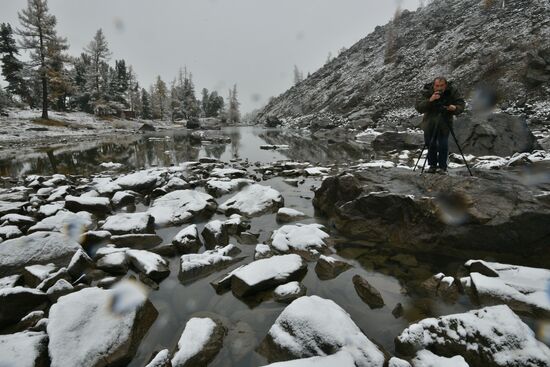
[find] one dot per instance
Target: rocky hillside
(500, 43)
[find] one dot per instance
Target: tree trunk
(44, 98)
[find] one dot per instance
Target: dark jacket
(434, 111)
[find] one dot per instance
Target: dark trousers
(439, 148)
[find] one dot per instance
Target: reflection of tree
(235, 136)
(214, 150)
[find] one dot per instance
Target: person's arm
(422, 104)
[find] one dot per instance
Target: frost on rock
(491, 336)
(9, 231)
(303, 330)
(89, 328)
(522, 288)
(24, 349)
(227, 172)
(253, 200)
(300, 237)
(66, 222)
(100, 205)
(289, 215)
(161, 359)
(181, 206)
(197, 265)
(262, 251)
(36, 248)
(123, 223)
(288, 292)
(267, 273)
(105, 185)
(220, 187)
(425, 358)
(199, 343)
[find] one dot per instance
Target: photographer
(439, 102)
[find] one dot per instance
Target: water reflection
(173, 147)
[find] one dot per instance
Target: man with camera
(440, 101)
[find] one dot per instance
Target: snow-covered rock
(299, 237)
(227, 172)
(425, 358)
(262, 251)
(199, 343)
(112, 259)
(215, 234)
(317, 171)
(36, 248)
(99, 205)
(522, 288)
(9, 232)
(105, 185)
(288, 292)
(218, 187)
(181, 206)
(149, 263)
(111, 165)
(253, 200)
(286, 215)
(303, 330)
(7, 207)
(491, 336)
(65, 221)
(123, 223)
(187, 240)
(140, 180)
(123, 198)
(48, 210)
(17, 219)
(267, 273)
(24, 349)
(88, 327)
(60, 288)
(197, 265)
(161, 359)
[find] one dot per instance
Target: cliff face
(501, 43)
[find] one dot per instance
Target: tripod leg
(432, 139)
(420, 156)
(460, 150)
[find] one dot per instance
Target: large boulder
(493, 211)
(489, 337)
(16, 302)
(36, 248)
(495, 134)
(24, 349)
(199, 343)
(97, 327)
(253, 200)
(303, 330)
(398, 140)
(181, 206)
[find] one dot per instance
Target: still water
(397, 278)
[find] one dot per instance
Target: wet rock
(147, 127)
(495, 134)
(428, 213)
(24, 349)
(98, 327)
(267, 273)
(194, 266)
(65, 221)
(93, 237)
(370, 295)
(17, 302)
(286, 215)
(181, 206)
(491, 337)
(97, 205)
(36, 248)
(199, 343)
(223, 283)
(215, 234)
(124, 223)
(247, 238)
(253, 200)
(137, 240)
(150, 264)
(302, 330)
(397, 311)
(286, 293)
(398, 140)
(329, 268)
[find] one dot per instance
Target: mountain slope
(505, 44)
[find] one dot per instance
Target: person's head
(440, 84)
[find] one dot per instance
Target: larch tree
(233, 114)
(38, 35)
(96, 76)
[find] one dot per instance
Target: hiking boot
(442, 171)
(432, 169)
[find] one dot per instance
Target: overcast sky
(253, 43)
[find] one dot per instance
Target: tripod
(434, 134)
